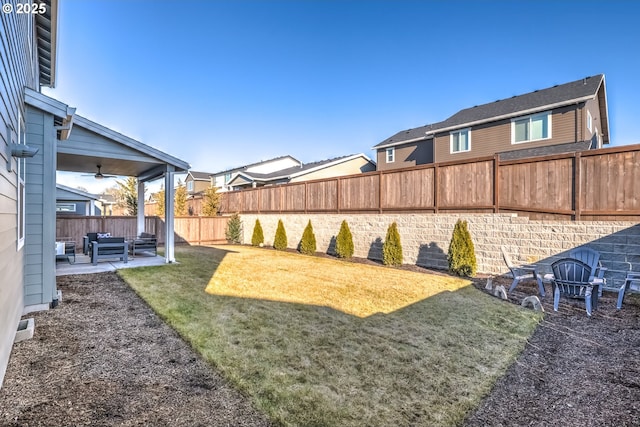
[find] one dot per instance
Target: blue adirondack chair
(592, 259)
(573, 278)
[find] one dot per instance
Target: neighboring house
(563, 118)
(42, 135)
(221, 179)
(197, 182)
(106, 203)
(71, 201)
(339, 166)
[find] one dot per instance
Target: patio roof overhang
(81, 145)
(84, 144)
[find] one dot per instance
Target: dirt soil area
(103, 358)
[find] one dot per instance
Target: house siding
(18, 68)
(407, 155)
(592, 106)
(40, 180)
(495, 137)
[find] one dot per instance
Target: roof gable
(199, 176)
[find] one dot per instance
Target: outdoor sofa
(109, 248)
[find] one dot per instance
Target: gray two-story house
(563, 118)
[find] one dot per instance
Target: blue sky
(224, 83)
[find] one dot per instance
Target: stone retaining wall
(425, 237)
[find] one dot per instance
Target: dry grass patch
(299, 335)
(360, 290)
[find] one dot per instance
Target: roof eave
(514, 114)
(406, 141)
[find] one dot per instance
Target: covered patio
(72, 143)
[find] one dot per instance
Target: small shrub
(280, 241)
(308, 241)
(258, 235)
(344, 241)
(462, 255)
(234, 229)
(392, 247)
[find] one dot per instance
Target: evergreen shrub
(258, 235)
(308, 241)
(392, 247)
(462, 255)
(234, 229)
(280, 241)
(344, 241)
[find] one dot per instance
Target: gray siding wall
(40, 259)
(18, 68)
(407, 155)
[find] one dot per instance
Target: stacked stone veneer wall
(425, 238)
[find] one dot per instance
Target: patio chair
(145, 242)
(573, 278)
(592, 259)
(521, 272)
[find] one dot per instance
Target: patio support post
(169, 239)
(140, 219)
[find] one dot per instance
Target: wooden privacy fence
(590, 185)
(191, 230)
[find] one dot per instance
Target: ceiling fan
(100, 175)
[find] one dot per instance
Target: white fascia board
(46, 103)
(606, 107)
(514, 114)
(396, 143)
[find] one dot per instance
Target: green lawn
(323, 342)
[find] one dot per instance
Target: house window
(460, 141)
(589, 120)
(189, 185)
(531, 128)
(65, 207)
(391, 155)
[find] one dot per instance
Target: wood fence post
(577, 184)
(338, 189)
(380, 192)
(436, 172)
(496, 183)
(306, 196)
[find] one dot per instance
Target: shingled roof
(539, 100)
(298, 170)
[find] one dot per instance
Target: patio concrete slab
(83, 264)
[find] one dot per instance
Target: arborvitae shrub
(344, 241)
(280, 241)
(234, 229)
(258, 235)
(308, 241)
(462, 255)
(392, 248)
